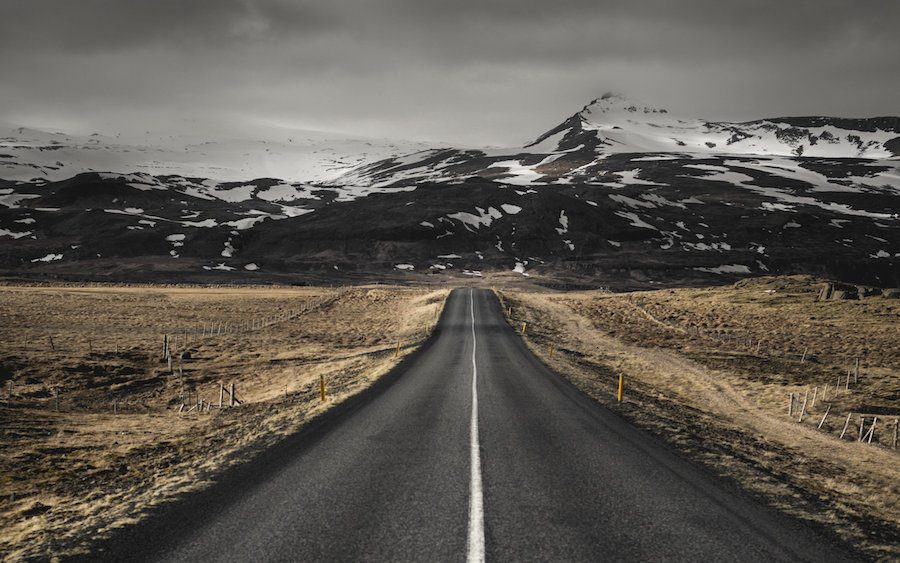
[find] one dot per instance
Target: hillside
(618, 194)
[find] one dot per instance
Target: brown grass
(725, 405)
(69, 477)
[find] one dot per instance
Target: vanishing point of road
(473, 450)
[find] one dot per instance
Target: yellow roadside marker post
(551, 350)
(397, 353)
(509, 313)
(523, 328)
(621, 387)
(322, 386)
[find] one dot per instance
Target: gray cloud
(476, 71)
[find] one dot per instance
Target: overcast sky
(465, 71)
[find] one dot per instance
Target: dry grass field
(93, 430)
(710, 371)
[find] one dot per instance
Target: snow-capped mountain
(618, 194)
(614, 124)
(289, 154)
(577, 149)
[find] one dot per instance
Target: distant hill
(618, 194)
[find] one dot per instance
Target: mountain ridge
(587, 201)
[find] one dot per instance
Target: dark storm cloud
(478, 70)
(104, 25)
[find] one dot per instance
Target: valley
(725, 269)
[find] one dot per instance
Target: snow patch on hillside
(473, 222)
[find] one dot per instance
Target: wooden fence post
(823, 417)
(846, 424)
(803, 408)
(896, 428)
(871, 433)
(232, 394)
(791, 406)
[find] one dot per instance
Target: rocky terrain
(618, 194)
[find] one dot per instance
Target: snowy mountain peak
(614, 123)
(614, 103)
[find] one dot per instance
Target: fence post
(803, 408)
(823, 417)
(846, 424)
(896, 427)
(872, 429)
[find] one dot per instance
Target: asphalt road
(537, 471)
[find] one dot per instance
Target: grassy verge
(120, 442)
(695, 379)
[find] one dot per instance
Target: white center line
(476, 502)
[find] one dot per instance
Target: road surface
(535, 471)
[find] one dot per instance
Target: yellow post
(397, 353)
(322, 386)
(621, 386)
(509, 313)
(523, 328)
(551, 350)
